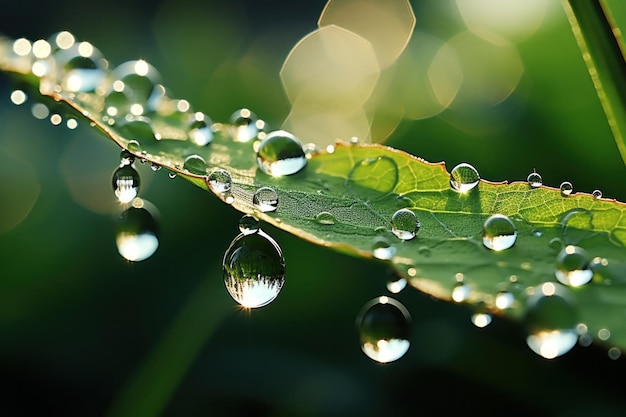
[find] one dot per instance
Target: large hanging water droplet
(384, 327)
(265, 199)
(382, 249)
(244, 126)
(254, 269)
(125, 183)
(566, 188)
(200, 132)
(572, 266)
(195, 164)
(137, 232)
(534, 179)
(499, 233)
(404, 224)
(219, 180)
(280, 153)
(551, 318)
(248, 224)
(325, 217)
(464, 177)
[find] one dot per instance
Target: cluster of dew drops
(383, 323)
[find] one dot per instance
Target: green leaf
(346, 196)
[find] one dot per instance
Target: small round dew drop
(384, 328)
(265, 199)
(248, 224)
(125, 183)
(137, 233)
(499, 233)
(200, 132)
(566, 188)
(244, 126)
(552, 319)
(326, 218)
(280, 153)
(195, 164)
(573, 266)
(382, 249)
(219, 181)
(597, 194)
(404, 224)
(463, 178)
(534, 180)
(254, 269)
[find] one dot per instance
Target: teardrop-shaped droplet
(244, 126)
(382, 249)
(566, 188)
(551, 319)
(219, 180)
(200, 132)
(248, 224)
(254, 269)
(396, 285)
(499, 233)
(463, 178)
(195, 164)
(325, 217)
(534, 179)
(384, 328)
(280, 153)
(125, 183)
(82, 68)
(265, 199)
(572, 266)
(404, 224)
(137, 232)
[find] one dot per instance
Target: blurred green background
(85, 333)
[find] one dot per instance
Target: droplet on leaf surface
(464, 177)
(499, 233)
(572, 266)
(384, 327)
(219, 180)
(404, 224)
(280, 153)
(265, 199)
(254, 269)
(244, 126)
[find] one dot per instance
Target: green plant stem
(602, 48)
(149, 390)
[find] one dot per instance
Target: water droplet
(424, 251)
(137, 233)
(219, 180)
(280, 153)
(265, 199)
(384, 327)
(372, 177)
(126, 158)
(382, 249)
(499, 233)
(195, 164)
(597, 193)
(566, 188)
(396, 285)
(404, 224)
(536, 233)
(461, 292)
(254, 269)
(200, 132)
(556, 243)
(244, 126)
(138, 128)
(463, 178)
(125, 183)
(82, 68)
(551, 318)
(534, 179)
(324, 217)
(310, 150)
(481, 319)
(139, 81)
(248, 224)
(134, 146)
(572, 266)
(171, 174)
(504, 300)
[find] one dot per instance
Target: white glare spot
(481, 320)
(141, 67)
(85, 49)
(56, 119)
(65, 40)
(604, 334)
(182, 105)
(72, 124)
(136, 109)
(18, 97)
(548, 289)
(21, 47)
(40, 111)
(118, 86)
(39, 69)
(41, 49)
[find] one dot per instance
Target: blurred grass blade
(602, 48)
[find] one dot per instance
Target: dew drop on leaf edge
(566, 188)
(254, 269)
(219, 180)
(384, 327)
(463, 178)
(534, 179)
(280, 154)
